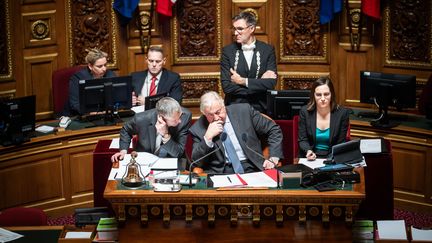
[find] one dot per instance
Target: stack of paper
(394, 230)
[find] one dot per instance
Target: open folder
(265, 178)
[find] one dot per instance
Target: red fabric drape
(371, 8)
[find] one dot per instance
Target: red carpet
(417, 220)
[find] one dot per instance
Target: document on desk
(255, 179)
(391, 229)
(258, 179)
(138, 109)
(313, 164)
(6, 235)
(372, 146)
(115, 143)
(165, 164)
(226, 180)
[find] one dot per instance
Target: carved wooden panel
(25, 2)
(5, 42)
(408, 29)
(141, 21)
(197, 31)
(298, 80)
(301, 37)
(39, 28)
(258, 8)
(196, 84)
(92, 24)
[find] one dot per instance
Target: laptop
(150, 101)
(347, 153)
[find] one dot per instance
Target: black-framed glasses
(240, 29)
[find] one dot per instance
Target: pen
(229, 179)
(115, 175)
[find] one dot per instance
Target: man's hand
(310, 155)
(118, 156)
(269, 74)
(161, 126)
(236, 78)
(270, 164)
(215, 128)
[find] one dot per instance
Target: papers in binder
(256, 179)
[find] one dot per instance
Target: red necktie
(153, 86)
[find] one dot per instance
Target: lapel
(151, 129)
(333, 126)
(314, 125)
(162, 82)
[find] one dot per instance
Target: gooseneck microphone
(244, 138)
(223, 137)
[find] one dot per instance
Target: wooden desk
(257, 204)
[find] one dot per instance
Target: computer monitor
(284, 104)
(150, 101)
(107, 95)
(386, 89)
(17, 120)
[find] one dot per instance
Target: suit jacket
(245, 120)
(339, 121)
(72, 107)
(169, 83)
(255, 93)
(143, 125)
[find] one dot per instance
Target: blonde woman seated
(323, 123)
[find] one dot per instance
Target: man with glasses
(248, 66)
(234, 131)
(161, 131)
(156, 79)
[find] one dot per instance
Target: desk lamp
(132, 176)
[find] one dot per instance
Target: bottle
(150, 179)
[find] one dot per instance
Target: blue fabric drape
(125, 8)
(328, 8)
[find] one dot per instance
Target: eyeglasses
(240, 29)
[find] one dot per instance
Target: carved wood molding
(92, 24)
(299, 80)
(39, 28)
(407, 34)
(301, 37)
(259, 9)
(197, 32)
(143, 20)
(6, 71)
(195, 84)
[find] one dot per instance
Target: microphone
(244, 138)
(223, 138)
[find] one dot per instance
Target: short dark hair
(157, 49)
(248, 16)
(325, 80)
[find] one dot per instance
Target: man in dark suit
(240, 125)
(161, 131)
(156, 79)
(248, 66)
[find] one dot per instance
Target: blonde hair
(95, 54)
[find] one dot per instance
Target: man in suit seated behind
(155, 79)
(161, 131)
(242, 125)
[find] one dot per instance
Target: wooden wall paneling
(302, 38)
(408, 34)
(196, 84)
(196, 32)
(28, 2)
(81, 171)
(298, 80)
(412, 178)
(5, 40)
(37, 81)
(39, 181)
(92, 24)
(136, 59)
(39, 28)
